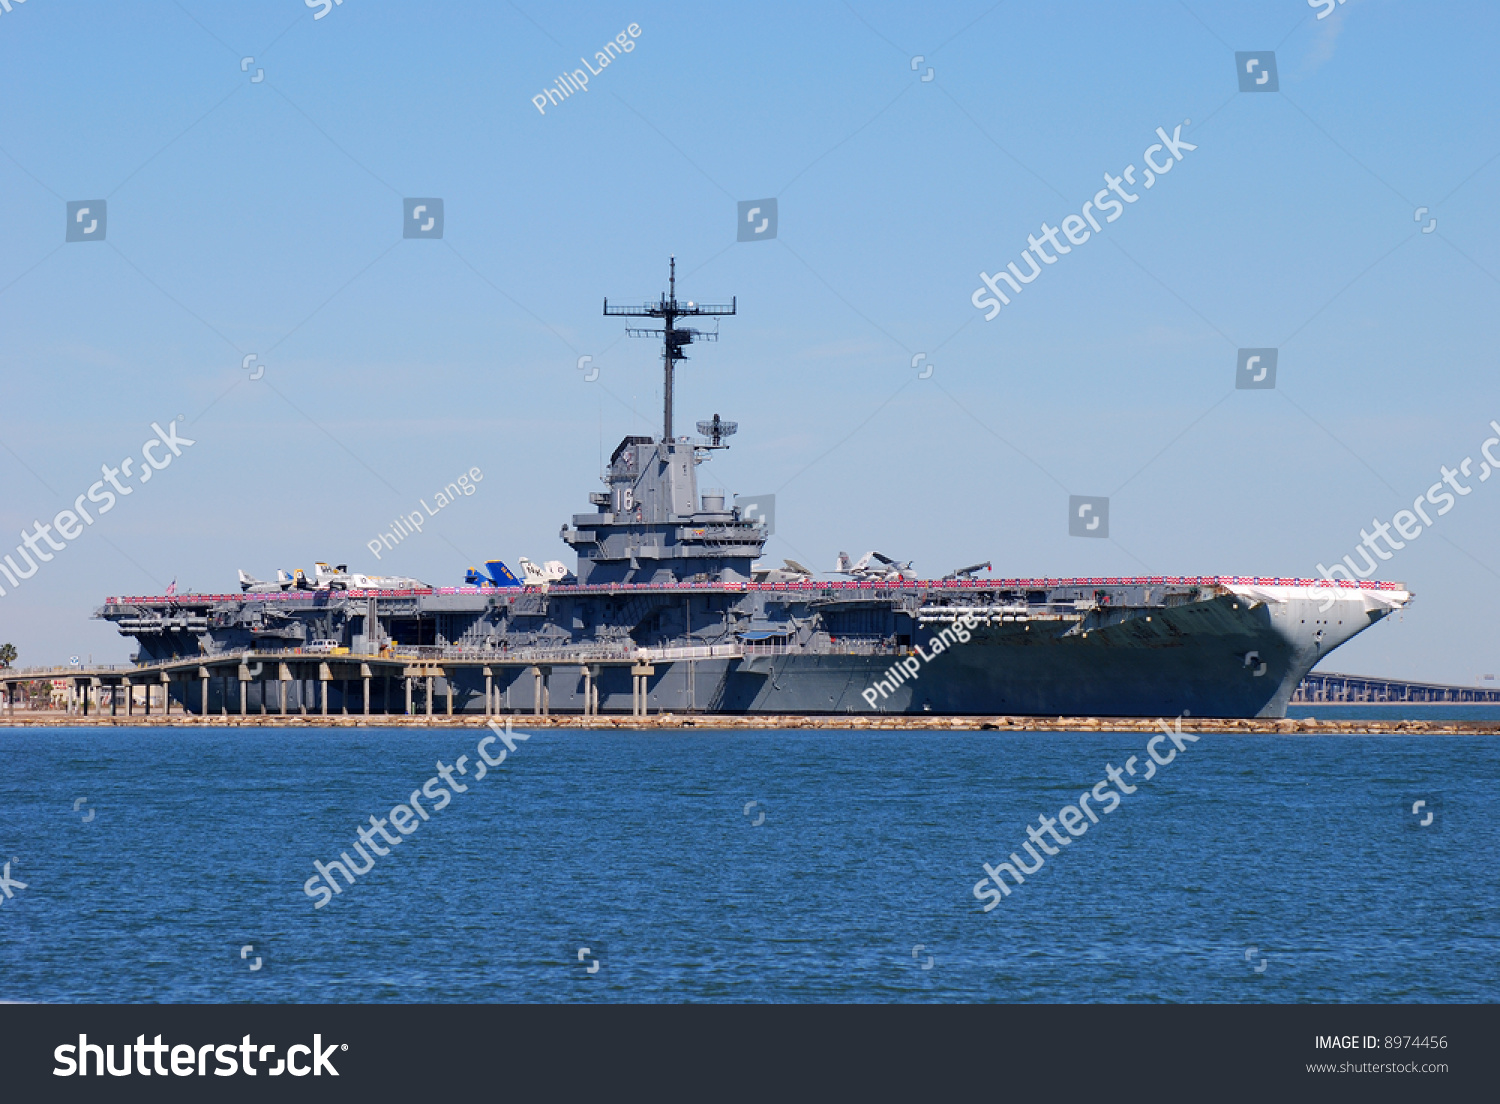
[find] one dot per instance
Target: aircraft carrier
(668, 612)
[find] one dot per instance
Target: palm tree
(7, 655)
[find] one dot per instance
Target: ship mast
(674, 338)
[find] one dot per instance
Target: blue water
(638, 847)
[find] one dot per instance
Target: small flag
(172, 588)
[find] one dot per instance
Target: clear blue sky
(265, 217)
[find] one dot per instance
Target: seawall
(841, 723)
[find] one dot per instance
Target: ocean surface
(164, 864)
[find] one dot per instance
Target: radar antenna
(674, 337)
(717, 429)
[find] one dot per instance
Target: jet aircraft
(884, 568)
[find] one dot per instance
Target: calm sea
(1251, 868)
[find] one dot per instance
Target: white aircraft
(249, 584)
(793, 572)
(553, 571)
(340, 578)
(886, 568)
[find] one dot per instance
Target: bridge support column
(203, 691)
(283, 676)
(638, 700)
(429, 695)
(325, 674)
(588, 690)
(448, 679)
(364, 674)
(542, 703)
(489, 687)
(166, 694)
(244, 677)
(408, 695)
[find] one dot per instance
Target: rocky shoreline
(843, 723)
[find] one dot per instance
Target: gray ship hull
(1121, 648)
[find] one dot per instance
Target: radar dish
(718, 428)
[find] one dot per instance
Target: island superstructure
(666, 615)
